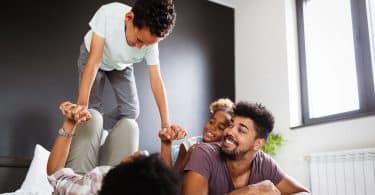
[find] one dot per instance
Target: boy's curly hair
(158, 15)
(222, 104)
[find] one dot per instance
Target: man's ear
(129, 16)
(259, 142)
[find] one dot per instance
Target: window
(336, 51)
(371, 26)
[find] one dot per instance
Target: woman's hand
(174, 132)
(75, 112)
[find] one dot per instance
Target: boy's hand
(75, 112)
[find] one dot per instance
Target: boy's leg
(96, 94)
(84, 150)
(122, 141)
(125, 89)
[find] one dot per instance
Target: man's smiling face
(239, 138)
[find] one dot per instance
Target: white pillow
(36, 178)
(36, 181)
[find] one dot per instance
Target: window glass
(371, 21)
(330, 57)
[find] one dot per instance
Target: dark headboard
(39, 48)
(12, 173)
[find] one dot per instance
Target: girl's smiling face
(214, 128)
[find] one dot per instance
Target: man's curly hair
(158, 15)
(262, 118)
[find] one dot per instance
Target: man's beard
(233, 154)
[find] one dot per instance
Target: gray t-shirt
(207, 161)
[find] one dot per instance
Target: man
(236, 165)
(137, 174)
(120, 36)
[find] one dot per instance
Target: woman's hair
(143, 175)
(222, 104)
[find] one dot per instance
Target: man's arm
(289, 186)
(195, 184)
(90, 69)
(160, 95)
(262, 188)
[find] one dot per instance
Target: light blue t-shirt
(109, 23)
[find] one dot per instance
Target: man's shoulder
(264, 167)
(206, 160)
(213, 147)
(262, 156)
(264, 161)
(206, 152)
(209, 150)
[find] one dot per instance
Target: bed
(35, 181)
(13, 171)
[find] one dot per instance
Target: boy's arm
(160, 95)
(90, 69)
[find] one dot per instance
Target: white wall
(265, 39)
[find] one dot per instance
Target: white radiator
(343, 173)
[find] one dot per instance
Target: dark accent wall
(39, 46)
(197, 62)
